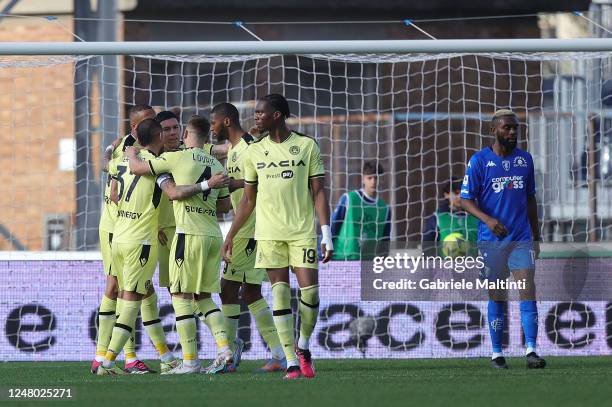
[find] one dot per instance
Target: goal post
(418, 108)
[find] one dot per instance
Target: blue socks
(529, 321)
(495, 316)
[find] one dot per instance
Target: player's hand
(536, 249)
(226, 251)
(217, 181)
(327, 253)
(497, 228)
(161, 236)
(131, 152)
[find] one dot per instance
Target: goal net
(420, 116)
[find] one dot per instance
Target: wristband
(326, 232)
(204, 186)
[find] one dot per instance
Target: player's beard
(508, 144)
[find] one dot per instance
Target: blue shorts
(502, 257)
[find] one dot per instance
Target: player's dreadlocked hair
(279, 103)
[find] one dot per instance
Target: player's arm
(181, 192)
(114, 191)
(496, 226)
(137, 166)
(470, 190)
(316, 175)
(317, 185)
(219, 151)
(235, 184)
(532, 208)
(108, 153)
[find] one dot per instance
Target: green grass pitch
(567, 381)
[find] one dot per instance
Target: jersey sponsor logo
(287, 174)
(519, 162)
(233, 170)
(196, 209)
(128, 214)
(506, 165)
(466, 180)
(283, 163)
(491, 164)
(295, 150)
(514, 182)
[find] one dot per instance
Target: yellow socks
(106, 318)
(309, 311)
(283, 319)
(186, 328)
(214, 320)
(123, 330)
(150, 319)
(232, 316)
(265, 325)
(129, 348)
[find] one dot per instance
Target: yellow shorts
(294, 253)
(164, 256)
(106, 240)
(242, 268)
(134, 264)
(195, 264)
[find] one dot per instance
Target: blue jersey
(500, 186)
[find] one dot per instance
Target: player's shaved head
(139, 111)
(147, 131)
(228, 110)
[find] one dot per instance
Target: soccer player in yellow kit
(195, 255)
(111, 304)
(171, 136)
(241, 273)
(278, 171)
(134, 246)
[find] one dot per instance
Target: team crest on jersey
(234, 156)
(506, 165)
(147, 285)
(295, 150)
(519, 162)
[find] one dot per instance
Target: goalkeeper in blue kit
(499, 189)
